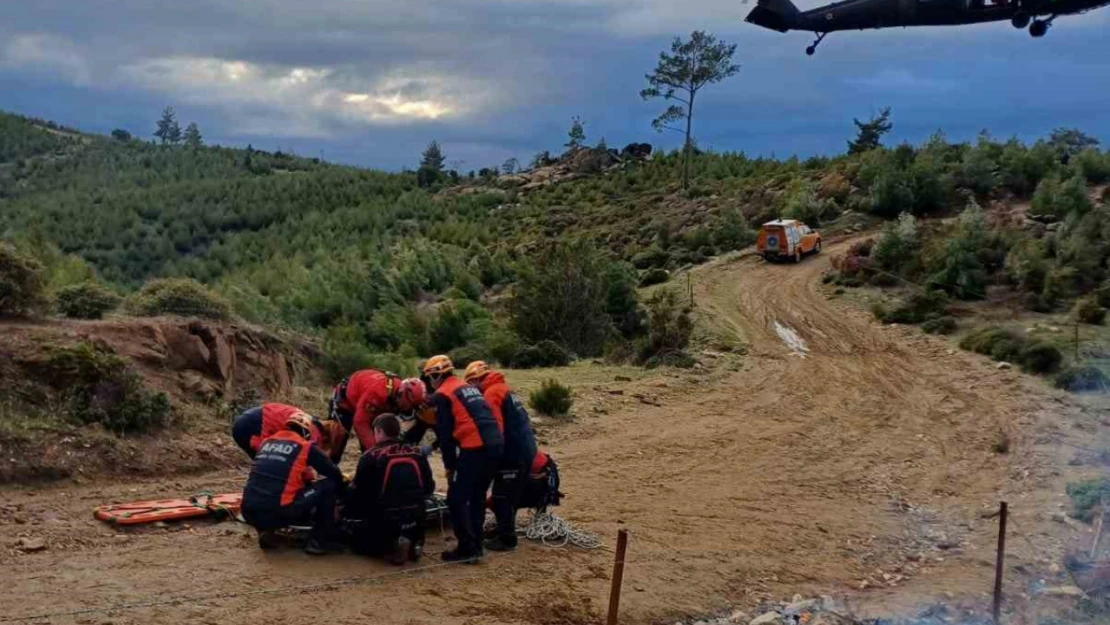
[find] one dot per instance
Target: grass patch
(1086, 496)
(100, 387)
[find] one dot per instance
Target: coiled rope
(553, 531)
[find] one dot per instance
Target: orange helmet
(411, 394)
(475, 371)
(300, 423)
(438, 365)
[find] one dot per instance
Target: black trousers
(244, 427)
(509, 482)
(466, 497)
(378, 535)
(315, 503)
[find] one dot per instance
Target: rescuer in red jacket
(472, 445)
(358, 400)
(261, 422)
(282, 489)
(512, 474)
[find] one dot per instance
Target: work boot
(461, 555)
(317, 547)
(398, 555)
(268, 539)
(416, 551)
(501, 543)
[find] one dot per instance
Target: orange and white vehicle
(787, 239)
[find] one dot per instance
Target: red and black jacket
(285, 465)
(512, 419)
(464, 421)
(391, 477)
(359, 399)
(273, 421)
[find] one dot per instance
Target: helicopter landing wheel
(1021, 20)
(1039, 28)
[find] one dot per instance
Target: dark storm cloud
(372, 81)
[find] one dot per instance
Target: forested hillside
(409, 262)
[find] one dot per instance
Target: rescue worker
(385, 503)
(359, 399)
(282, 489)
(471, 445)
(542, 487)
(512, 474)
(261, 422)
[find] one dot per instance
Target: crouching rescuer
(471, 445)
(365, 394)
(283, 488)
(385, 503)
(512, 473)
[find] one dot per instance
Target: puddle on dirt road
(794, 342)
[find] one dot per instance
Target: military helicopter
(782, 15)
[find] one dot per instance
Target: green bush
(100, 387)
(1102, 295)
(1044, 205)
(453, 325)
(897, 244)
(654, 256)
(87, 300)
(561, 296)
(1082, 379)
(670, 327)
(21, 283)
(1092, 165)
(346, 352)
(1040, 357)
(999, 343)
(1086, 496)
(622, 301)
(919, 307)
(1087, 310)
(1055, 200)
(552, 399)
(940, 325)
(466, 354)
(654, 276)
(178, 296)
(542, 354)
(962, 270)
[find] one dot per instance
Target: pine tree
(871, 132)
(169, 131)
(431, 165)
(193, 138)
(679, 76)
(577, 133)
(433, 157)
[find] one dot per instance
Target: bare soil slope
(855, 462)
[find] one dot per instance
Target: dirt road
(839, 455)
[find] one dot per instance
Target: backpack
(542, 491)
(402, 486)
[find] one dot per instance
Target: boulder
(223, 358)
(185, 350)
(767, 618)
(636, 150)
(30, 545)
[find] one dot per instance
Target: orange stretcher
(201, 505)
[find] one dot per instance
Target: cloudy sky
(370, 82)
